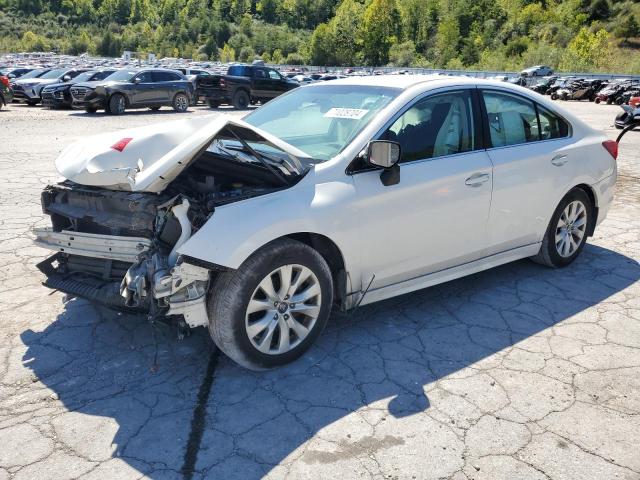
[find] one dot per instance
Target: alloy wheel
(571, 228)
(283, 309)
(182, 102)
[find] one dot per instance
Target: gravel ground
(519, 372)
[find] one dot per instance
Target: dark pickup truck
(247, 84)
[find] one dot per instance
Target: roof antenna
(362, 297)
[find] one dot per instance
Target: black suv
(129, 88)
(59, 94)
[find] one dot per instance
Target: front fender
(237, 230)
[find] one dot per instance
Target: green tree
(628, 28)
(380, 30)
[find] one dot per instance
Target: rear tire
(567, 232)
(117, 104)
(180, 102)
(251, 319)
(241, 100)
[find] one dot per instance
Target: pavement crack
(198, 421)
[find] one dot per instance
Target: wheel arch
(594, 203)
(332, 254)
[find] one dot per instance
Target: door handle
(477, 179)
(559, 160)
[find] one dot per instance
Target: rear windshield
(239, 71)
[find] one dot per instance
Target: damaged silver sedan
(332, 195)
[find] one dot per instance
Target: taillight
(4, 80)
(611, 147)
(121, 144)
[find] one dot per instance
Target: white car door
(436, 216)
(532, 164)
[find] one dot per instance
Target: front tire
(567, 232)
(271, 310)
(117, 104)
(180, 102)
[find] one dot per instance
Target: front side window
(274, 75)
(145, 77)
(435, 126)
(551, 126)
(512, 120)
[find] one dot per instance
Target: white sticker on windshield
(353, 113)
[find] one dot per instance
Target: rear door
(166, 86)
(530, 148)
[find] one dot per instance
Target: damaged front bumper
(124, 273)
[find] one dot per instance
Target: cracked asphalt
(520, 372)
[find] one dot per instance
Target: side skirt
(452, 273)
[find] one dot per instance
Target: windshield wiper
(260, 157)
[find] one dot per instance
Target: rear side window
(165, 77)
(512, 120)
(274, 75)
(551, 126)
(239, 71)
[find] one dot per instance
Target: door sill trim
(449, 274)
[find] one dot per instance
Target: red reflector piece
(611, 147)
(4, 80)
(121, 144)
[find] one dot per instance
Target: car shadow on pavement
(127, 390)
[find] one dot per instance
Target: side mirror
(66, 78)
(385, 154)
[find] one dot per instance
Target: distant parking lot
(519, 372)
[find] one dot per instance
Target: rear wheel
(180, 102)
(566, 234)
(117, 104)
(270, 311)
(241, 100)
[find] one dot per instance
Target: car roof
(405, 82)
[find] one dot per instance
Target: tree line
(572, 35)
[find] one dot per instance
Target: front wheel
(271, 310)
(180, 102)
(117, 104)
(567, 232)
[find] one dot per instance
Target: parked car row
(617, 92)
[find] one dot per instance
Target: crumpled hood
(147, 159)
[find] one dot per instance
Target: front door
(436, 216)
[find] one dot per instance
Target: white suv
(336, 194)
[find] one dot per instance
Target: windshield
(54, 74)
(34, 73)
(123, 75)
(321, 120)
